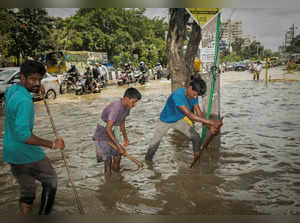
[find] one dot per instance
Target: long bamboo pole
(77, 200)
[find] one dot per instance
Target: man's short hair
(32, 67)
(198, 85)
(132, 93)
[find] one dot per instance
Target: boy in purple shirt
(108, 130)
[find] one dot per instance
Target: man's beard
(35, 89)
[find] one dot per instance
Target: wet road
(256, 170)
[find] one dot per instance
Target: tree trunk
(191, 51)
(175, 41)
(180, 65)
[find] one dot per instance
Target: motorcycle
(157, 75)
(140, 77)
(68, 83)
(83, 87)
(125, 78)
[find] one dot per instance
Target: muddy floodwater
(255, 171)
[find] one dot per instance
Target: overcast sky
(268, 25)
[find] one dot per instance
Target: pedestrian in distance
(178, 114)
(257, 70)
(109, 127)
(21, 148)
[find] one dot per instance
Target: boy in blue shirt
(182, 102)
(21, 148)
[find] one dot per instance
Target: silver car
(11, 75)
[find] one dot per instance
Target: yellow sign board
(203, 15)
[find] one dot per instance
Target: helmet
(142, 63)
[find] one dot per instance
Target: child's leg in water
(107, 167)
(116, 163)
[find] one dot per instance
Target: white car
(11, 75)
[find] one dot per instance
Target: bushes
(293, 67)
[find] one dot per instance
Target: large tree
(30, 33)
(295, 45)
(7, 20)
(181, 62)
(120, 32)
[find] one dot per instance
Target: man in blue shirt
(176, 114)
(21, 148)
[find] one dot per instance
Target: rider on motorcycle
(73, 73)
(158, 71)
(142, 67)
(128, 70)
(89, 79)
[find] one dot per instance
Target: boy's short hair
(198, 85)
(32, 67)
(132, 93)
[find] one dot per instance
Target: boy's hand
(121, 150)
(216, 124)
(214, 130)
(215, 127)
(126, 143)
(59, 143)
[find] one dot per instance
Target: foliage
(293, 67)
(28, 32)
(122, 33)
(253, 51)
(295, 45)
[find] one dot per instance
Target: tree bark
(180, 65)
(175, 41)
(191, 51)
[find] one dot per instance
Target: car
(229, 66)
(240, 67)
(11, 75)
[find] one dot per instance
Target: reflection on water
(255, 171)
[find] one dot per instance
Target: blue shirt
(171, 112)
(19, 121)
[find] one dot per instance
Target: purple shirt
(115, 112)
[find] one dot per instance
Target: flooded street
(256, 170)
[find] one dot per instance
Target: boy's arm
(195, 117)
(198, 111)
(123, 130)
(35, 140)
(109, 132)
(213, 125)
